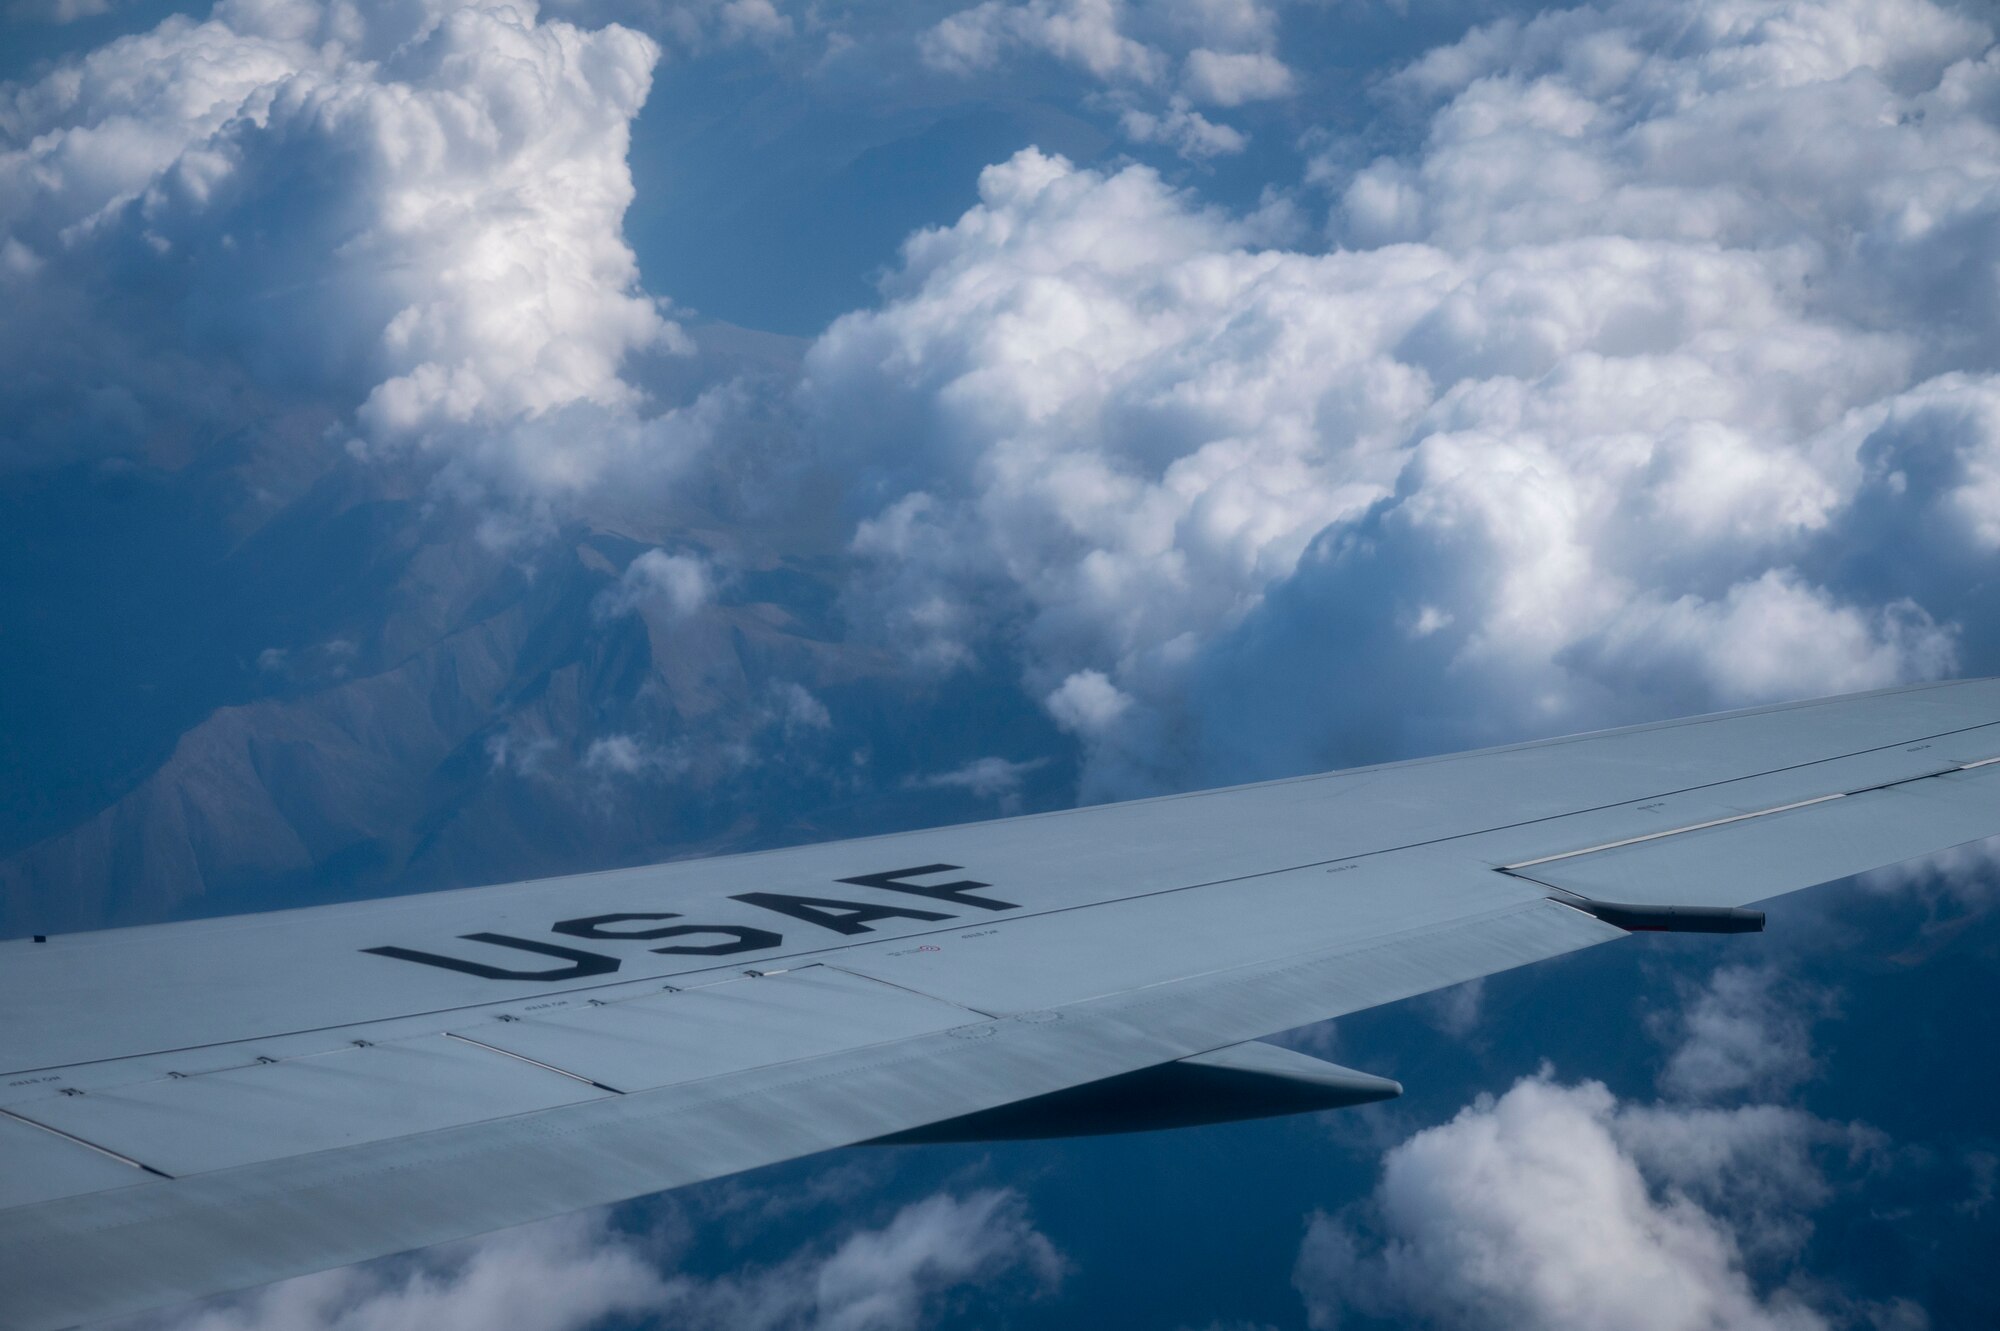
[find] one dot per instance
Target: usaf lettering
(707, 940)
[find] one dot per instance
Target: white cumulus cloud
(1578, 419)
(1087, 33)
(1223, 48)
(1087, 703)
(679, 585)
(1231, 78)
(1748, 1030)
(1558, 1207)
(1184, 129)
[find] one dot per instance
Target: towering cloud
(409, 214)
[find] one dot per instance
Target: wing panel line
(550, 1067)
(85, 1142)
(1691, 827)
(920, 993)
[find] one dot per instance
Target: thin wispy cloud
(580, 1271)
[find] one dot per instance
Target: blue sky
(444, 443)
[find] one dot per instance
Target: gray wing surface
(192, 1108)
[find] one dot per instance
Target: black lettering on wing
(742, 938)
(846, 917)
(958, 894)
(581, 964)
(595, 926)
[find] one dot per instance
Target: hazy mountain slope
(507, 714)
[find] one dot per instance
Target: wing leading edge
(193, 1108)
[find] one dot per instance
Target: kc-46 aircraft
(198, 1107)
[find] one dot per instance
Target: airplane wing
(192, 1108)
